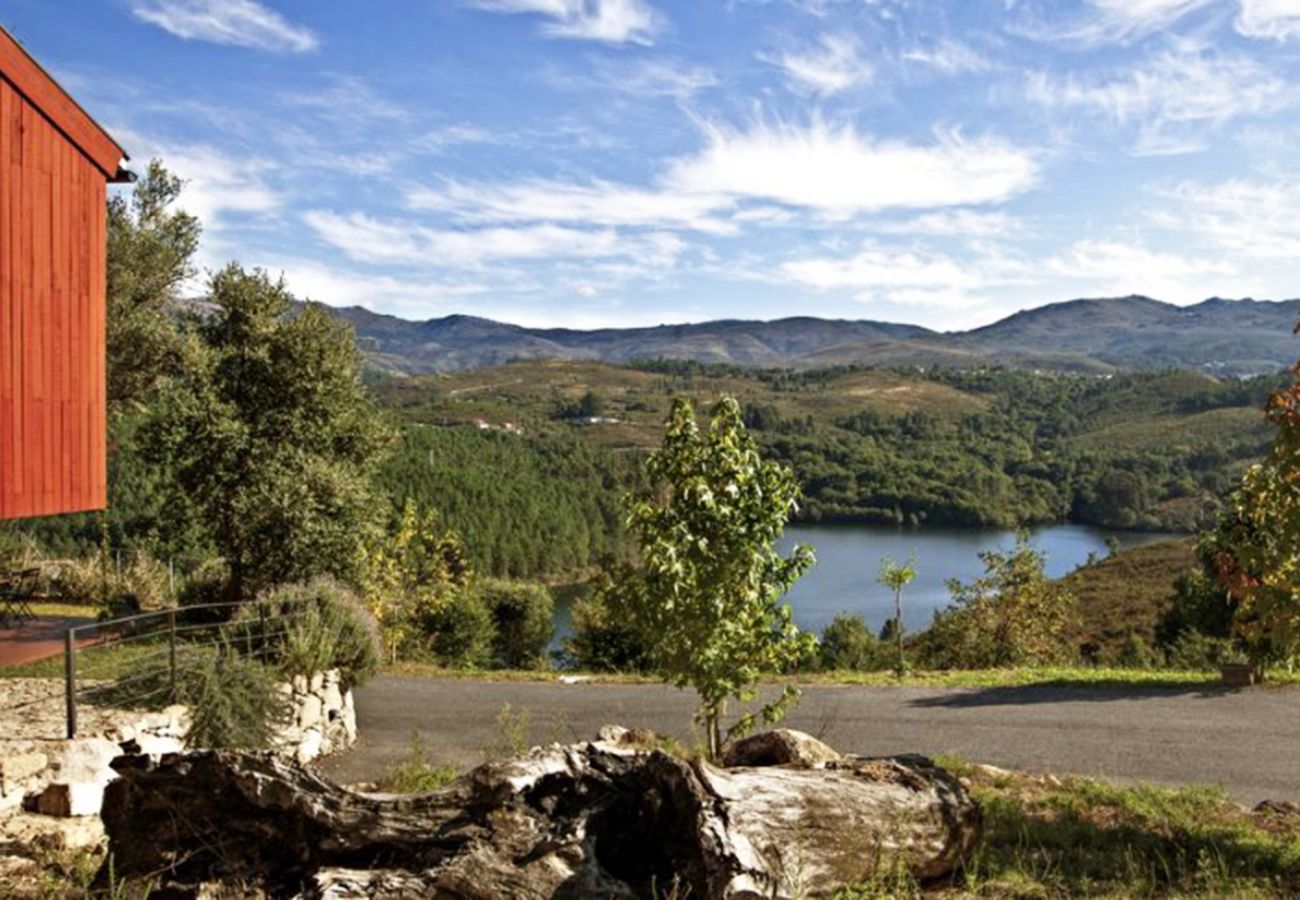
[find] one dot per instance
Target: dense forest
(1151, 451)
(540, 498)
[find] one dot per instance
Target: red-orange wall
(52, 307)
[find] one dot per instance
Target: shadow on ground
(1068, 692)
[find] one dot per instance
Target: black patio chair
(17, 590)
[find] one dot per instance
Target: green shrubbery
(602, 640)
(322, 625)
(523, 622)
(456, 629)
(847, 644)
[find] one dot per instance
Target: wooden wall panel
(52, 307)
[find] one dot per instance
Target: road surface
(1246, 741)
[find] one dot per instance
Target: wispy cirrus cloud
(364, 238)
(1172, 98)
(949, 57)
(591, 203)
(1112, 21)
(1251, 218)
(244, 23)
(834, 63)
(607, 21)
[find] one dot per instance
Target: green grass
(416, 773)
(1078, 837)
(1054, 675)
(93, 663)
(65, 610)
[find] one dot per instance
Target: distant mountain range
(1089, 335)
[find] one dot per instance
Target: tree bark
(602, 819)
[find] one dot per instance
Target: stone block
(77, 798)
(87, 760)
(309, 711)
(332, 698)
(300, 684)
(310, 746)
(317, 682)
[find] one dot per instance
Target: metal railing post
(171, 649)
(70, 679)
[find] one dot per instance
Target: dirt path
(1246, 741)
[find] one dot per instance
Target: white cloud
(966, 223)
(761, 176)
(1277, 20)
(1116, 268)
(833, 65)
(659, 78)
(1172, 98)
(366, 239)
(875, 267)
(412, 298)
(609, 21)
(1251, 219)
(949, 57)
(217, 182)
(245, 23)
(839, 172)
(439, 140)
(590, 203)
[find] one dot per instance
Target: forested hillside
(996, 447)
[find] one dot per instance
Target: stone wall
(58, 777)
(324, 719)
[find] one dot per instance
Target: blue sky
(627, 162)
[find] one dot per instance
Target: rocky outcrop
(598, 819)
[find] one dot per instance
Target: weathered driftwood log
(609, 818)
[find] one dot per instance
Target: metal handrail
(167, 617)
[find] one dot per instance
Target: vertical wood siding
(52, 307)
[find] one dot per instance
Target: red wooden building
(55, 162)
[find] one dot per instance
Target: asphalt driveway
(1247, 741)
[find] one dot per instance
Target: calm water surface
(848, 559)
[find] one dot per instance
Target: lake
(848, 559)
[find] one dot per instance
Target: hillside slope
(1091, 336)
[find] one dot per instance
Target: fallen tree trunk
(599, 819)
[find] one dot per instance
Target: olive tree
(707, 599)
(151, 245)
(270, 436)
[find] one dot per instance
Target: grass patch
(93, 663)
(54, 609)
(1058, 676)
(1077, 837)
(416, 773)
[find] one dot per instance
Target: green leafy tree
(151, 247)
(708, 599)
(1012, 615)
(270, 435)
(897, 576)
(405, 570)
(1256, 548)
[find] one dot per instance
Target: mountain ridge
(1089, 334)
